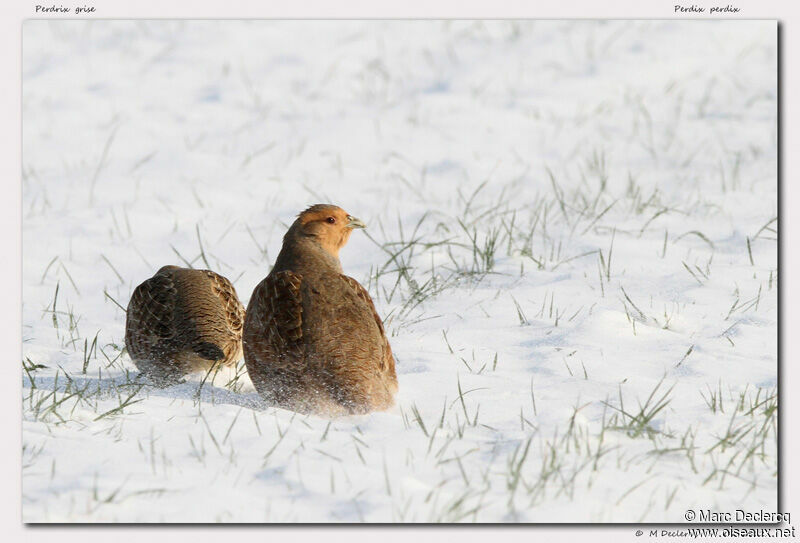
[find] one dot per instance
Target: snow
(559, 219)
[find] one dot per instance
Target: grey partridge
(313, 341)
(181, 321)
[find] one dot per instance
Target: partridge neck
(305, 256)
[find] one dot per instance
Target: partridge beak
(353, 222)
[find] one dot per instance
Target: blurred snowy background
(572, 241)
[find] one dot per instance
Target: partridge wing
(274, 320)
(232, 307)
(387, 361)
(150, 321)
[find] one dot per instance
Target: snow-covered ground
(572, 241)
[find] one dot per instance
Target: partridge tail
(209, 351)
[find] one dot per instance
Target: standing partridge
(313, 341)
(181, 321)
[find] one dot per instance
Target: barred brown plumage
(313, 341)
(183, 320)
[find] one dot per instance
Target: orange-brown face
(330, 225)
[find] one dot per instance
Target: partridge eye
(330, 220)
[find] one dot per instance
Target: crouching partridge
(313, 341)
(181, 321)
